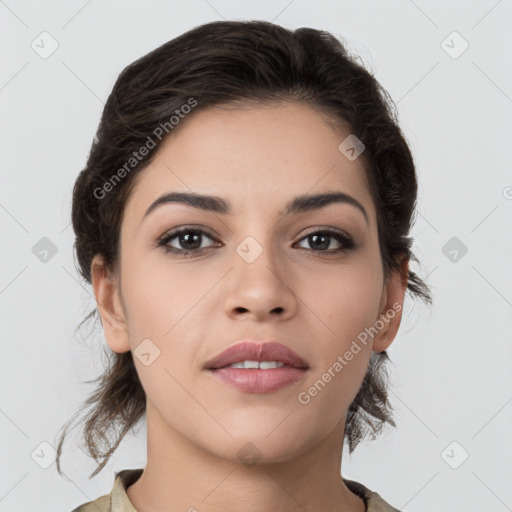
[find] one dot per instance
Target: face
(310, 279)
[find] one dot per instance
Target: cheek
(161, 297)
(342, 353)
(347, 303)
(324, 401)
(165, 319)
(345, 300)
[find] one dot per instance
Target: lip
(254, 380)
(248, 350)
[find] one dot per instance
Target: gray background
(452, 364)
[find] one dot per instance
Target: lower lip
(254, 380)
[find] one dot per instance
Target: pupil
(187, 239)
(319, 245)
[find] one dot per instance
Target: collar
(127, 477)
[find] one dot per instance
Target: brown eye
(185, 240)
(321, 240)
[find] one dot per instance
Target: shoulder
(117, 500)
(101, 504)
(374, 502)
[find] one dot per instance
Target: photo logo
(159, 133)
(351, 147)
(304, 397)
(249, 454)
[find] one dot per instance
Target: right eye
(188, 238)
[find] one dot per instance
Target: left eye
(318, 240)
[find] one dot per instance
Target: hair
(230, 63)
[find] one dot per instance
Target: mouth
(252, 355)
(255, 367)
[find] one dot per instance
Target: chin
(256, 446)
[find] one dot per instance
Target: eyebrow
(299, 204)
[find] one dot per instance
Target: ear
(391, 307)
(106, 291)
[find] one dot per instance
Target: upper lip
(249, 350)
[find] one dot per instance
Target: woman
(243, 218)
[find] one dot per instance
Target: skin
(193, 308)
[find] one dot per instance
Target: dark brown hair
(235, 62)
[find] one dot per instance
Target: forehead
(255, 157)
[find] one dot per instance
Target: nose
(259, 285)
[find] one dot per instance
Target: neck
(181, 476)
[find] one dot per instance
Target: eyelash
(346, 240)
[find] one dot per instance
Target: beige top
(117, 500)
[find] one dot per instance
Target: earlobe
(392, 303)
(106, 292)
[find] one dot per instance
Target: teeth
(270, 364)
(263, 365)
